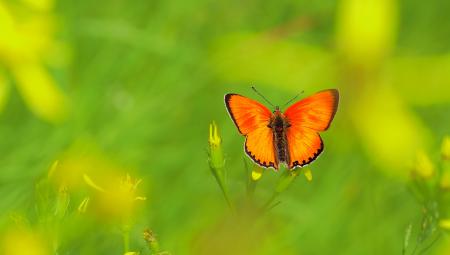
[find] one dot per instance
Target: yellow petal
(91, 183)
(257, 173)
(40, 92)
(308, 174)
(83, 205)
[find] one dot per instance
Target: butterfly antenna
(293, 98)
(265, 99)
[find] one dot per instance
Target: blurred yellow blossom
(424, 167)
(24, 241)
(82, 159)
(117, 198)
(444, 224)
(28, 44)
(366, 30)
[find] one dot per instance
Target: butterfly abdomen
(279, 125)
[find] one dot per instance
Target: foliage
(121, 91)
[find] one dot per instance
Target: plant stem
(220, 181)
(126, 239)
(268, 204)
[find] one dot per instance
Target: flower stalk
(253, 177)
(126, 238)
(285, 180)
(217, 161)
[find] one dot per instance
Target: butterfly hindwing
(304, 146)
(307, 118)
(252, 119)
(259, 146)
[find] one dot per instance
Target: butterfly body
(290, 137)
(279, 124)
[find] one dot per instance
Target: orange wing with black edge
(251, 119)
(307, 118)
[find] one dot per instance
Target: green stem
(251, 188)
(126, 240)
(223, 188)
(268, 204)
(284, 182)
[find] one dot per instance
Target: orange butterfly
(291, 137)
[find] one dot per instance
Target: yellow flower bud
(216, 159)
(257, 173)
(308, 174)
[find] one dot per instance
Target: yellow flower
(216, 159)
(24, 241)
(117, 199)
(214, 138)
(28, 44)
(366, 30)
(257, 173)
(444, 224)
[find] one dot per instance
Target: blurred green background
(108, 88)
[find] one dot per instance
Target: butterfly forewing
(252, 119)
(306, 118)
(316, 111)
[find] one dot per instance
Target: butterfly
(290, 137)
